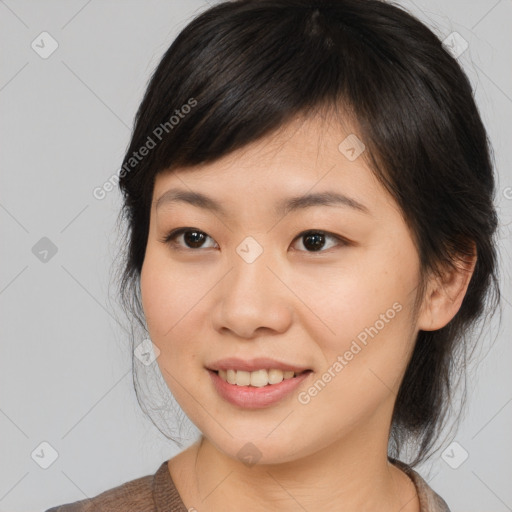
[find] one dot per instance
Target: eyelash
(170, 238)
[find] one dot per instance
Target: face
(324, 285)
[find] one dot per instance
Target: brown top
(157, 493)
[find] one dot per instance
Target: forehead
(306, 156)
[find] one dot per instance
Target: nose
(252, 300)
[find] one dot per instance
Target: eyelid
(341, 241)
(172, 235)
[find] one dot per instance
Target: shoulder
(429, 500)
(138, 494)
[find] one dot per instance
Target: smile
(244, 394)
(258, 378)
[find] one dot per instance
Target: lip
(249, 397)
(251, 365)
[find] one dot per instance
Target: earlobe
(445, 294)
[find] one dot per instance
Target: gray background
(65, 362)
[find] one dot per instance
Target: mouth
(253, 390)
(258, 378)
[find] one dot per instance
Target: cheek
(167, 298)
(167, 295)
(340, 303)
(363, 313)
(364, 360)
(157, 298)
(175, 304)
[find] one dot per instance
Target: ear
(445, 294)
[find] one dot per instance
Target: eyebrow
(282, 208)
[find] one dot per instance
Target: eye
(315, 241)
(193, 238)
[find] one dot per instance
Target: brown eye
(319, 241)
(192, 238)
(314, 241)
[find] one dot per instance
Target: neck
(350, 475)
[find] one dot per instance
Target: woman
(309, 206)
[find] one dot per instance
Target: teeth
(258, 378)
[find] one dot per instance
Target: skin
(296, 305)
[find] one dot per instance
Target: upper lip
(251, 365)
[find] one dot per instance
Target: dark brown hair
(246, 68)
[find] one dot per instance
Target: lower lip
(250, 397)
